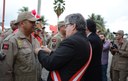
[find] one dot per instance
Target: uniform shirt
(20, 63)
(5, 34)
(55, 41)
(38, 38)
(105, 52)
(120, 59)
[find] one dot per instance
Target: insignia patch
(54, 45)
(5, 46)
(2, 35)
(25, 44)
(20, 43)
(53, 40)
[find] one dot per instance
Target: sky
(114, 12)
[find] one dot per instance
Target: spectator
(119, 65)
(56, 39)
(13, 28)
(94, 72)
(104, 57)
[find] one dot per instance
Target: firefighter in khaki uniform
(42, 33)
(56, 39)
(119, 65)
(21, 63)
(13, 26)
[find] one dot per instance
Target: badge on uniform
(20, 43)
(5, 46)
(54, 45)
(2, 35)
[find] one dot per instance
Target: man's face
(14, 27)
(62, 29)
(39, 24)
(37, 32)
(29, 26)
(69, 30)
(102, 37)
(118, 36)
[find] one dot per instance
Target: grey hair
(76, 19)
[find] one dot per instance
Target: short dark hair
(91, 25)
(60, 24)
(103, 34)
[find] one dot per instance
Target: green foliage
(59, 7)
(109, 35)
(23, 9)
(100, 23)
(44, 21)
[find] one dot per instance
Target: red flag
(53, 29)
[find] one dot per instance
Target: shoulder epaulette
(8, 37)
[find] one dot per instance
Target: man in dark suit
(94, 73)
(70, 60)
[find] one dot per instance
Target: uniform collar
(21, 35)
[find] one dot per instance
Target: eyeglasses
(66, 25)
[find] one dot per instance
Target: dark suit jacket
(68, 58)
(93, 72)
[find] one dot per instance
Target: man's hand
(115, 50)
(44, 48)
(37, 50)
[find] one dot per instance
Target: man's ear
(21, 23)
(74, 26)
(86, 29)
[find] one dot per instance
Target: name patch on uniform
(54, 45)
(5, 46)
(20, 43)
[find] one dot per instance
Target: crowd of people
(78, 52)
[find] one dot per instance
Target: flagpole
(39, 7)
(3, 15)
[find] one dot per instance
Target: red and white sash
(78, 75)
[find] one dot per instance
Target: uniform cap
(120, 32)
(60, 24)
(12, 22)
(26, 16)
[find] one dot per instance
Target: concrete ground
(44, 74)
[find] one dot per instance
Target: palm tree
(109, 35)
(23, 9)
(59, 7)
(44, 21)
(99, 22)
